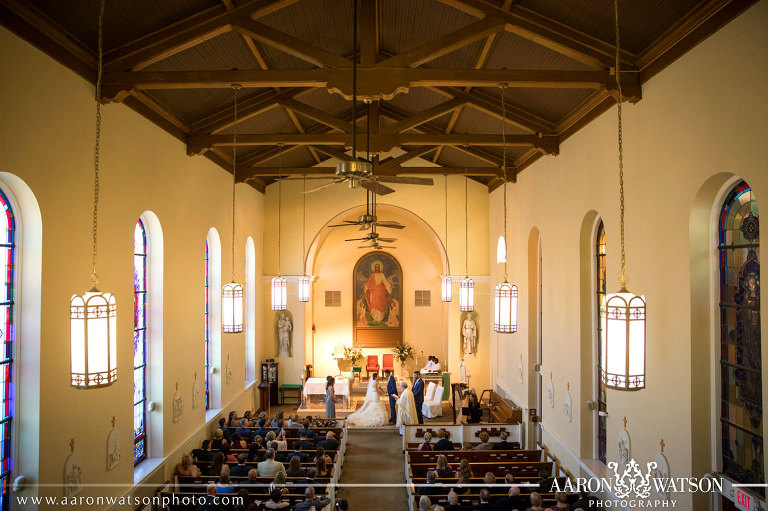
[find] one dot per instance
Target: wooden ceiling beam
(548, 33)
(179, 36)
(157, 113)
(407, 156)
(316, 114)
(380, 171)
(287, 43)
(28, 22)
(491, 106)
(246, 109)
(424, 116)
(372, 82)
(379, 142)
(368, 32)
(445, 44)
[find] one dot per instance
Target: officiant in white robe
(406, 408)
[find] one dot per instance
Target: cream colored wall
(700, 117)
(435, 330)
(46, 138)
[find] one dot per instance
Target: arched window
(602, 417)
(741, 409)
(207, 329)
(140, 333)
(8, 338)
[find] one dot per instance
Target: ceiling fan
(358, 171)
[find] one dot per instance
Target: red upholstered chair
(388, 362)
(373, 365)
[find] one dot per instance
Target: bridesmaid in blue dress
(330, 397)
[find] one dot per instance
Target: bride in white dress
(373, 412)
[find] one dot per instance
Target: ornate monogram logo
(632, 480)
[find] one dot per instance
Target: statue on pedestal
(284, 328)
(469, 333)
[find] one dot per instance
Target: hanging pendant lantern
(623, 315)
(446, 284)
(92, 315)
(304, 288)
(505, 295)
(232, 293)
(505, 301)
(304, 284)
(467, 295)
(279, 284)
(232, 308)
(279, 294)
(93, 339)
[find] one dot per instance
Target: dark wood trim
(156, 113)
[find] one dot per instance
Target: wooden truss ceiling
(431, 67)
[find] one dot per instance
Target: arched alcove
(587, 330)
(702, 235)
(332, 260)
(214, 318)
(155, 251)
(29, 247)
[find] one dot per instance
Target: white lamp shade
(93, 339)
(446, 284)
(279, 293)
(232, 308)
(467, 295)
(505, 301)
(623, 346)
(304, 288)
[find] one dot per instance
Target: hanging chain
(446, 214)
(623, 275)
(236, 87)
(466, 211)
(94, 275)
(279, 202)
(504, 169)
(303, 220)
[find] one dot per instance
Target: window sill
(145, 469)
(211, 414)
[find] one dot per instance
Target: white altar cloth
(342, 387)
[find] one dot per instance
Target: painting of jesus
(378, 295)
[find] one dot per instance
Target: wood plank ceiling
(431, 67)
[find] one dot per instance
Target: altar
(314, 392)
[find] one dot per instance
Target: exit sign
(743, 500)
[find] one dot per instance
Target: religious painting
(377, 308)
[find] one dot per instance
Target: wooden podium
(264, 401)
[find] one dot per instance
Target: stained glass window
(602, 408)
(7, 337)
(139, 343)
(207, 330)
(741, 409)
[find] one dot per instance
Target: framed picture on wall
(377, 312)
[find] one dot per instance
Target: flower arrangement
(403, 352)
(353, 354)
(324, 423)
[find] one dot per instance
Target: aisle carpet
(374, 457)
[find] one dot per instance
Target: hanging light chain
(303, 220)
(94, 275)
(623, 275)
(504, 169)
(446, 213)
(466, 211)
(279, 201)
(236, 88)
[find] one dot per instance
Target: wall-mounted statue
(469, 334)
(284, 328)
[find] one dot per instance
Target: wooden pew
(500, 469)
(174, 501)
(187, 484)
(473, 456)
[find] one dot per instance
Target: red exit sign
(743, 500)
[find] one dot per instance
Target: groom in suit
(392, 393)
(418, 394)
